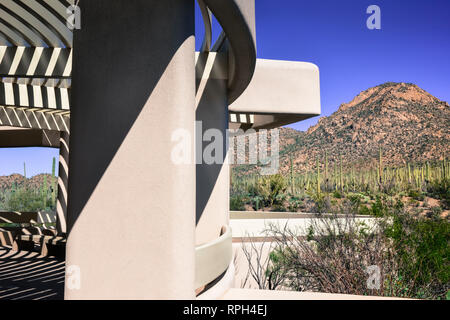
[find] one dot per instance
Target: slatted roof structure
(35, 64)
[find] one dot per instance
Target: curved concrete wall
(212, 186)
(131, 213)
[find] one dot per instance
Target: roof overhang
(280, 93)
(11, 137)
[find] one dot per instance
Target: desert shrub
(322, 203)
(364, 210)
(257, 202)
(333, 258)
(388, 187)
(411, 253)
(379, 208)
(2, 200)
(358, 202)
(277, 184)
(279, 207)
(237, 203)
(337, 194)
(24, 199)
(355, 198)
(441, 190)
(271, 189)
(294, 204)
(268, 271)
(416, 194)
(436, 211)
(422, 251)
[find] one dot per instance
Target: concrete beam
(11, 137)
(295, 97)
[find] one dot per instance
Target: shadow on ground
(29, 276)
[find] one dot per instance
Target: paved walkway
(29, 276)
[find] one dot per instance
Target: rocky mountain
(408, 123)
(17, 181)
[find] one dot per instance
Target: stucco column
(213, 170)
(63, 179)
(131, 216)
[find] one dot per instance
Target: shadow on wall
(112, 81)
(211, 104)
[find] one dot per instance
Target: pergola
(139, 225)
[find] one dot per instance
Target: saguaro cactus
(380, 166)
(44, 193)
(341, 181)
(409, 173)
(335, 176)
(444, 169)
(24, 175)
(318, 175)
(292, 174)
(53, 182)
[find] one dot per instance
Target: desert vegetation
(38, 193)
(410, 252)
(408, 242)
(422, 187)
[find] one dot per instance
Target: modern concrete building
(119, 90)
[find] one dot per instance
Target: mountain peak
(406, 121)
(391, 91)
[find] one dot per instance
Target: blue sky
(38, 160)
(413, 45)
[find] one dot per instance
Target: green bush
(416, 194)
(271, 189)
(322, 203)
(411, 251)
(422, 251)
(257, 202)
(355, 198)
(337, 194)
(440, 190)
(294, 204)
(436, 211)
(237, 203)
(379, 208)
(364, 210)
(27, 200)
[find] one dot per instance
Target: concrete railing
(213, 258)
(236, 18)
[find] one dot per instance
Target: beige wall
(213, 180)
(131, 215)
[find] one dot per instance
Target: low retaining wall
(248, 229)
(252, 224)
